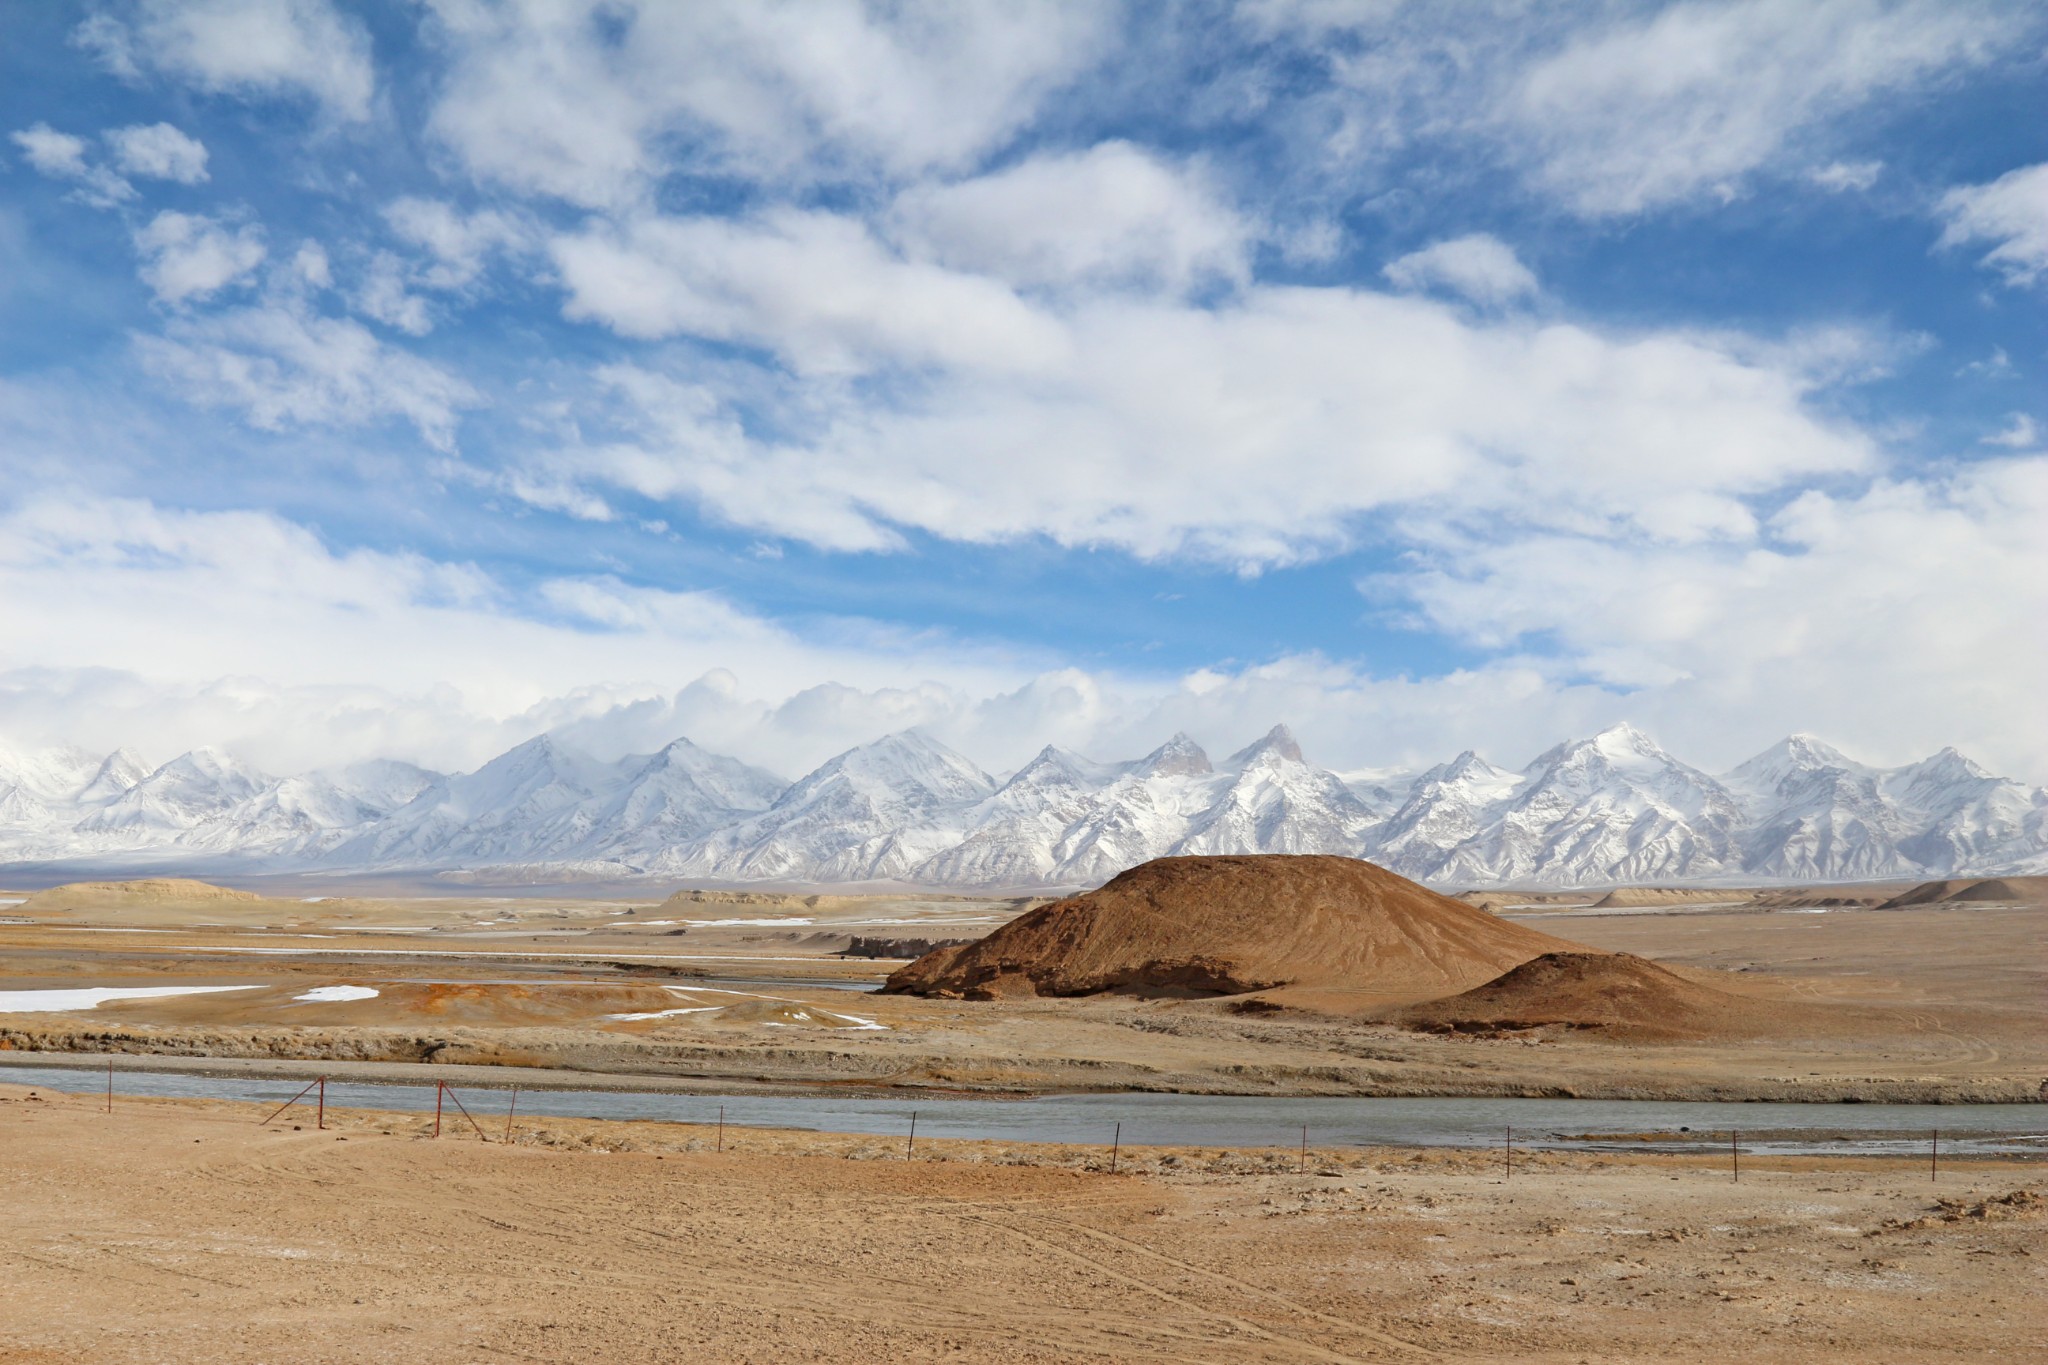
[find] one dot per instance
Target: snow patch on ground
(663, 1014)
(90, 997)
(325, 993)
(740, 923)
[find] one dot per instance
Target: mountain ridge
(1614, 808)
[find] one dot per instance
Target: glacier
(1611, 809)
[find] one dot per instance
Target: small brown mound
(148, 891)
(1618, 993)
(1646, 896)
(2007, 890)
(1231, 925)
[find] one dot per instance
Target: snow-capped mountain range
(1613, 809)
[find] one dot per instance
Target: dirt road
(182, 1231)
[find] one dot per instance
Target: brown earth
(1999, 890)
(1943, 1002)
(181, 1231)
(1233, 925)
(1638, 896)
(1623, 996)
(120, 895)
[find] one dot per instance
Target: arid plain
(181, 1229)
(1940, 1001)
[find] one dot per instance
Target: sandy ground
(179, 1230)
(1942, 1002)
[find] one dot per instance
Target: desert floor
(180, 1230)
(1944, 1002)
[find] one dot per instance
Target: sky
(407, 379)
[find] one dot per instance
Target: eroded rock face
(1232, 925)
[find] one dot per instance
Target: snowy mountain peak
(908, 757)
(1624, 741)
(182, 793)
(49, 776)
(1178, 757)
(1790, 761)
(1467, 767)
(1054, 767)
(1950, 766)
(1278, 742)
(1614, 808)
(118, 772)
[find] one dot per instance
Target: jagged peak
(1950, 762)
(1278, 741)
(1798, 752)
(205, 760)
(1620, 741)
(1179, 756)
(1466, 764)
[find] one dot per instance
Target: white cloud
(384, 296)
(2012, 212)
(284, 365)
(590, 101)
(1690, 101)
(1112, 215)
(1481, 267)
(159, 151)
(61, 156)
(816, 288)
(1948, 615)
(297, 48)
(460, 244)
(51, 152)
(1997, 365)
(1255, 433)
(187, 257)
(139, 624)
(1843, 176)
(134, 623)
(2020, 433)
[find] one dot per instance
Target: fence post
(110, 1085)
(449, 1090)
(1511, 1151)
(721, 1127)
(1934, 1157)
(912, 1146)
(320, 1118)
(509, 1111)
(1303, 1169)
(287, 1104)
(1116, 1144)
(439, 1087)
(1735, 1155)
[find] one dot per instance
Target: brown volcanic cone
(1621, 994)
(1227, 925)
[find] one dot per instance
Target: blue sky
(395, 378)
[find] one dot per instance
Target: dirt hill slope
(118, 895)
(2006, 890)
(1648, 896)
(1228, 925)
(1624, 996)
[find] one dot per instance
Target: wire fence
(1298, 1145)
